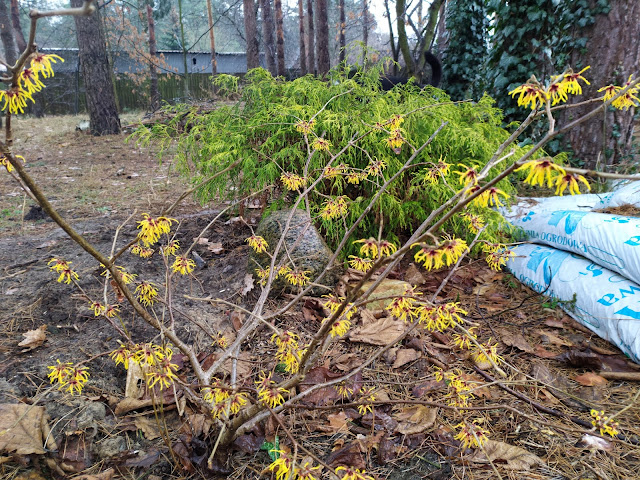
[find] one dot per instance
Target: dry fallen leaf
(248, 284)
(593, 442)
(106, 475)
(415, 419)
(590, 379)
(553, 338)
(378, 331)
(149, 427)
(514, 340)
(21, 428)
(406, 355)
(338, 422)
(517, 458)
(34, 338)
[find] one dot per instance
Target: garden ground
(551, 362)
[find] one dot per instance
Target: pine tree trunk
(341, 34)
(279, 36)
(17, 28)
(322, 43)
(6, 34)
(403, 40)
(212, 40)
(311, 59)
(303, 49)
(94, 64)
(614, 54)
(394, 50)
(365, 28)
(268, 41)
(154, 93)
(251, 33)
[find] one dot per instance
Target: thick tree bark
(311, 58)
(279, 36)
(303, 49)
(154, 93)
(365, 27)
(403, 40)
(251, 33)
(342, 43)
(96, 72)
(268, 41)
(6, 34)
(322, 39)
(17, 28)
(212, 39)
(429, 32)
(614, 54)
(394, 50)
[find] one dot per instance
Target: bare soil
(98, 182)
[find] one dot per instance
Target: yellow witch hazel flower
(292, 181)
(71, 379)
(15, 99)
(531, 94)
(497, 255)
(29, 81)
(570, 80)
(352, 473)
(625, 101)
(146, 293)
(67, 275)
(602, 423)
(490, 197)
(4, 161)
(541, 170)
(41, 63)
(321, 144)
(471, 435)
(268, 392)
(334, 208)
(258, 243)
(183, 265)
(360, 264)
(570, 181)
(305, 127)
(298, 278)
(282, 465)
(151, 229)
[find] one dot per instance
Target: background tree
(342, 25)
(6, 34)
(466, 49)
(279, 36)
(322, 39)
(311, 59)
(212, 39)
(154, 93)
(96, 73)
(268, 40)
(251, 33)
(301, 29)
(17, 28)
(613, 52)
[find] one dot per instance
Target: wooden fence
(65, 93)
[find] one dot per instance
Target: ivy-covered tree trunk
(251, 33)
(613, 52)
(277, 4)
(268, 40)
(466, 50)
(322, 41)
(154, 93)
(311, 57)
(96, 73)
(6, 34)
(303, 48)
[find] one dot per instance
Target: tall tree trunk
(94, 63)
(6, 34)
(268, 41)
(394, 49)
(341, 34)
(365, 28)
(429, 32)
(17, 28)
(185, 78)
(303, 49)
(403, 40)
(154, 93)
(613, 53)
(322, 39)
(279, 36)
(311, 59)
(212, 39)
(251, 33)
